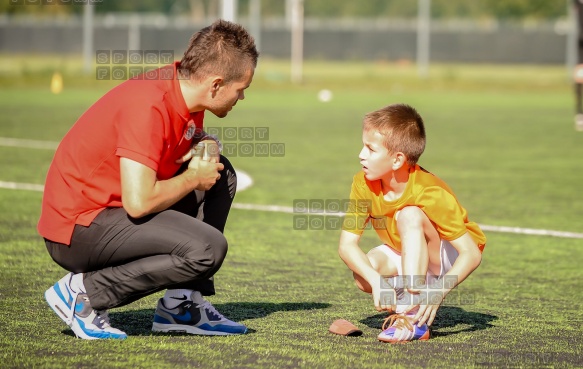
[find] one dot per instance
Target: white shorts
(448, 255)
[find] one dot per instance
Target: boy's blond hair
(402, 129)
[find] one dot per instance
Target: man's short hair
(402, 129)
(223, 48)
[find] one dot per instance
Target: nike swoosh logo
(183, 298)
(185, 319)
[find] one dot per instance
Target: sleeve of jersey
(444, 210)
(357, 214)
(141, 137)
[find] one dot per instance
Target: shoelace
(401, 322)
(103, 316)
(74, 295)
(208, 306)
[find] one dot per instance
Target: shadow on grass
(452, 320)
(139, 322)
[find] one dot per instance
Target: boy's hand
(428, 304)
(384, 300)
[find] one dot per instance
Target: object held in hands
(344, 328)
(206, 150)
(199, 150)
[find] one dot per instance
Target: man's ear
(215, 82)
(399, 159)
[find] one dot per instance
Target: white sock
(401, 310)
(173, 298)
(197, 297)
(404, 300)
(400, 293)
(76, 283)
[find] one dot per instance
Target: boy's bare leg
(420, 253)
(420, 244)
(381, 263)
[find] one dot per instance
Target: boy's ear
(399, 159)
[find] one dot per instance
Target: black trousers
(124, 259)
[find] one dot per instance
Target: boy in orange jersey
(429, 245)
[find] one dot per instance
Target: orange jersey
(424, 190)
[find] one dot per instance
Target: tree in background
(498, 9)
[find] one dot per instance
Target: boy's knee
(361, 283)
(410, 216)
(413, 219)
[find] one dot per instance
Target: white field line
(28, 144)
(22, 186)
(245, 181)
(290, 210)
(485, 227)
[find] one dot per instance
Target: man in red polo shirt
(124, 190)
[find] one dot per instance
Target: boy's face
(374, 157)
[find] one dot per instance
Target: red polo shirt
(145, 120)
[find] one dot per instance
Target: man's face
(227, 95)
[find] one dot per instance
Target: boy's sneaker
(76, 311)
(192, 317)
(402, 329)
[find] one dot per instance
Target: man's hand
(143, 193)
(206, 172)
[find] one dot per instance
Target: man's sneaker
(195, 318)
(76, 311)
(402, 330)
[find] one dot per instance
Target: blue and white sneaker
(76, 311)
(198, 317)
(402, 329)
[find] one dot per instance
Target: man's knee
(218, 249)
(208, 258)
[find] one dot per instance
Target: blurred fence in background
(346, 39)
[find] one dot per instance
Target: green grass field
(502, 137)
